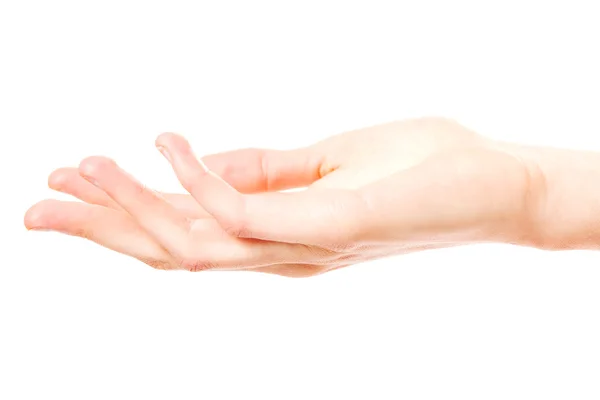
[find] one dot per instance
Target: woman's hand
(370, 193)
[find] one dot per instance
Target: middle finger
(152, 212)
(68, 180)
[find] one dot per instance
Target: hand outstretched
(370, 193)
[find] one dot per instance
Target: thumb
(262, 170)
(324, 217)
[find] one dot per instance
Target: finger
(69, 181)
(212, 248)
(117, 231)
(261, 170)
(319, 217)
(106, 227)
(152, 212)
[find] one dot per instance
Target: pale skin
(374, 192)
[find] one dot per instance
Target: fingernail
(165, 153)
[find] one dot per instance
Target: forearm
(565, 193)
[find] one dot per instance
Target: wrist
(561, 200)
(516, 216)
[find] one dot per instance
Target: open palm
(370, 193)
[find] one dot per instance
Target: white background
(479, 322)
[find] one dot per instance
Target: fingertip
(31, 218)
(178, 151)
(164, 138)
(35, 216)
(91, 167)
(169, 139)
(58, 178)
(173, 142)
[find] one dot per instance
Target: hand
(370, 193)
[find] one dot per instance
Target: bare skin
(375, 192)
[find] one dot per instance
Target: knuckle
(83, 233)
(190, 260)
(157, 264)
(141, 191)
(195, 264)
(236, 228)
(346, 229)
(236, 224)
